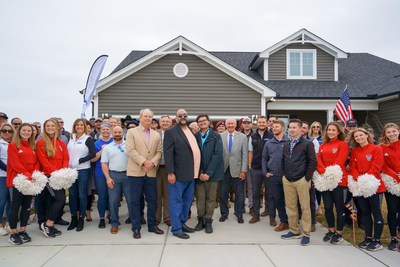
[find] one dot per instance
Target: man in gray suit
(235, 153)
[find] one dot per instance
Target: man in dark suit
(182, 165)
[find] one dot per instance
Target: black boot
(208, 226)
(73, 223)
(200, 224)
(80, 224)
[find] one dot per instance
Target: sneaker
(8, 229)
(365, 243)
(3, 231)
(375, 245)
(336, 239)
(290, 235)
(15, 239)
(305, 241)
(24, 237)
(48, 231)
(328, 236)
(56, 231)
(394, 245)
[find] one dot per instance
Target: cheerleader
(52, 155)
(365, 166)
(334, 151)
(21, 159)
(391, 176)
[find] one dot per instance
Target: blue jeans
(79, 189)
(121, 185)
(180, 200)
(4, 198)
(138, 186)
(238, 189)
(102, 191)
(276, 198)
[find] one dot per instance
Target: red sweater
(391, 155)
(58, 161)
(367, 160)
(331, 153)
(22, 160)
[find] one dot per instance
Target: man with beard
(182, 164)
(114, 161)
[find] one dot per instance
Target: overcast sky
(48, 47)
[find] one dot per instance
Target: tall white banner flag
(93, 79)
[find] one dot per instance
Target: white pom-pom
(368, 184)
(391, 184)
(63, 178)
(329, 180)
(353, 186)
(30, 187)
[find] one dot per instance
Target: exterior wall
(203, 90)
(277, 64)
(261, 70)
(304, 115)
(389, 111)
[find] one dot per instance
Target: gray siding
(204, 90)
(277, 63)
(304, 115)
(389, 111)
(261, 70)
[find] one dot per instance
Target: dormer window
(301, 63)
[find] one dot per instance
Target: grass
(360, 234)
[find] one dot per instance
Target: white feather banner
(31, 187)
(392, 186)
(329, 180)
(63, 178)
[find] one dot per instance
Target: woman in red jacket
(367, 158)
(334, 151)
(391, 153)
(21, 160)
(53, 155)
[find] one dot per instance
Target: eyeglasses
(17, 124)
(120, 149)
(7, 131)
(202, 121)
(182, 115)
(39, 127)
(60, 122)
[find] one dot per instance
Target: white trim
(383, 99)
(266, 69)
(320, 104)
(96, 106)
(263, 105)
(336, 69)
(329, 115)
(301, 76)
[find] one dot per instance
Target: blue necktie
(230, 143)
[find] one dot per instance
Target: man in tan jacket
(144, 148)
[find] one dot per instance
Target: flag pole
(354, 224)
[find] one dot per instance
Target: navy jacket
(272, 156)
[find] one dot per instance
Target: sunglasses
(17, 124)
(92, 121)
(316, 127)
(60, 122)
(7, 131)
(182, 115)
(120, 149)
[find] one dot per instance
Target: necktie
(230, 143)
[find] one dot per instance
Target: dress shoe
(223, 218)
(313, 229)
(264, 213)
(240, 220)
(128, 221)
(168, 222)
(142, 220)
(136, 234)
(232, 198)
(254, 219)
(187, 229)
(88, 216)
(157, 231)
(102, 224)
(182, 235)
(281, 227)
(229, 205)
(157, 222)
(272, 222)
(251, 211)
(114, 229)
(61, 222)
(79, 227)
(216, 204)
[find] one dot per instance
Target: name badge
(79, 143)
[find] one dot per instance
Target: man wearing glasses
(61, 128)
(16, 122)
(144, 148)
(114, 161)
(182, 165)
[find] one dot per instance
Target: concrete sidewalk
(231, 244)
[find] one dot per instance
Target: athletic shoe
(365, 243)
(394, 245)
(48, 231)
(15, 239)
(8, 229)
(375, 245)
(24, 237)
(290, 235)
(56, 231)
(336, 239)
(305, 241)
(328, 236)
(3, 231)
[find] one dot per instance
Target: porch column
(329, 115)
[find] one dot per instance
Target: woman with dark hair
(365, 166)
(53, 156)
(21, 159)
(81, 150)
(334, 151)
(35, 131)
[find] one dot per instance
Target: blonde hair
(384, 139)
(17, 137)
(86, 129)
(339, 127)
(9, 125)
(48, 146)
(353, 142)
(310, 132)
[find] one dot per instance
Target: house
(302, 76)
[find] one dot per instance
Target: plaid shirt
(293, 143)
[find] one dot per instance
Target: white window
(301, 63)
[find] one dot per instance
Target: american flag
(343, 107)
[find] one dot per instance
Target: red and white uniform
(391, 155)
(58, 161)
(367, 160)
(21, 160)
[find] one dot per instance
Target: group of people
(168, 163)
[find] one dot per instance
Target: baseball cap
(247, 119)
(3, 115)
(220, 123)
(352, 122)
(98, 119)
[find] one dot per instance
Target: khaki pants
(206, 194)
(162, 195)
(294, 191)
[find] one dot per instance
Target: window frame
(301, 76)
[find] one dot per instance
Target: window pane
(308, 64)
(294, 63)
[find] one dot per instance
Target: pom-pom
(365, 186)
(30, 187)
(329, 180)
(392, 186)
(63, 178)
(353, 186)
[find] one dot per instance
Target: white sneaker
(8, 229)
(3, 231)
